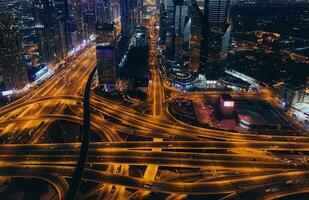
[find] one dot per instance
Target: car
(147, 186)
(272, 189)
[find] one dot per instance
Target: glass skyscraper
(11, 55)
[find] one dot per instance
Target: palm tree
(122, 85)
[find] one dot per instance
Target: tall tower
(103, 11)
(181, 17)
(218, 12)
(62, 16)
(163, 21)
(139, 12)
(106, 54)
(78, 21)
(90, 17)
(175, 20)
(216, 22)
(170, 32)
(158, 5)
(48, 29)
(128, 23)
(11, 55)
(193, 37)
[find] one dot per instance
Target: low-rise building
(289, 95)
(226, 105)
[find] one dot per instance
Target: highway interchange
(180, 160)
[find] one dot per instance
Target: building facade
(12, 59)
(215, 40)
(289, 95)
(193, 38)
(51, 30)
(106, 55)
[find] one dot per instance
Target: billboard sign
(7, 93)
(228, 104)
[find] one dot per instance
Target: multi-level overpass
(180, 159)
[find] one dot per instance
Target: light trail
(244, 163)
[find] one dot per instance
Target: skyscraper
(62, 16)
(49, 29)
(116, 11)
(163, 21)
(181, 12)
(174, 16)
(106, 54)
(128, 21)
(11, 55)
(193, 38)
(218, 12)
(139, 12)
(170, 32)
(181, 17)
(216, 22)
(158, 4)
(59, 26)
(78, 29)
(89, 17)
(103, 11)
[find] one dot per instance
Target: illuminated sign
(106, 44)
(7, 93)
(229, 104)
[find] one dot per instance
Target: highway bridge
(172, 158)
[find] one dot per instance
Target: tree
(122, 85)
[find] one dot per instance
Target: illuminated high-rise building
(170, 32)
(269, 2)
(106, 54)
(163, 23)
(128, 20)
(78, 29)
(50, 30)
(193, 38)
(108, 10)
(103, 11)
(176, 16)
(89, 17)
(59, 26)
(215, 47)
(218, 12)
(116, 12)
(11, 55)
(158, 5)
(139, 12)
(62, 16)
(181, 17)
(181, 12)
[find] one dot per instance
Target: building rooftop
(226, 97)
(5, 20)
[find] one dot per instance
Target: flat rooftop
(226, 97)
